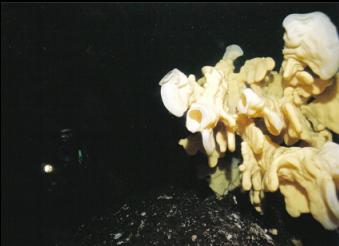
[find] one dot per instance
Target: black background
(95, 68)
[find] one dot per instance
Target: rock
(187, 217)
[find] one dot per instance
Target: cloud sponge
(284, 120)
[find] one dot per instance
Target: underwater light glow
(48, 168)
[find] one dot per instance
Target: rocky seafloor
(178, 216)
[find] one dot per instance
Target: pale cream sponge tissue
(312, 39)
(284, 119)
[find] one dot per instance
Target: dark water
(94, 68)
